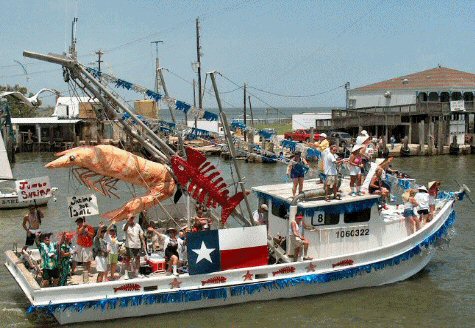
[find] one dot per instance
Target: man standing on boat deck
(83, 251)
(31, 223)
(322, 145)
(331, 173)
(134, 239)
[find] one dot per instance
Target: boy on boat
(65, 251)
(101, 251)
(31, 224)
(49, 261)
(83, 251)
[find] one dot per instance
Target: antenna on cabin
(72, 48)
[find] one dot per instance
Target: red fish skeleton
(204, 182)
(343, 263)
(127, 288)
(214, 280)
(288, 269)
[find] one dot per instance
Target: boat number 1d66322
(352, 233)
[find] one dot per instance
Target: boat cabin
(339, 227)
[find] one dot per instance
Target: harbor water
(441, 295)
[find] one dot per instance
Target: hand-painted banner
(33, 188)
(85, 205)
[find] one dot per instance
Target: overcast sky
(284, 47)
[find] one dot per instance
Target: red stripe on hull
(244, 257)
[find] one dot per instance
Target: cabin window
(359, 216)
(279, 210)
(320, 218)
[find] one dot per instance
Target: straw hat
(422, 187)
(356, 147)
(433, 183)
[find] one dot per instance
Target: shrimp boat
(353, 242)
(9, 196)
(354, 245)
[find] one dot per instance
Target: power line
(296, 96)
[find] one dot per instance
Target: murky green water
(442, 295)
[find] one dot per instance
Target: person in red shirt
(83, 250)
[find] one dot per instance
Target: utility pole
(157, 64)
(194, 101)
(99, 54)
(245, 114)
(250, 109)
(198, 63)
(347, 88)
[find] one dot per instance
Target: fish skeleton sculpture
(108, 164)
(204, 183)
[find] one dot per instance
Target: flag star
(203, 253)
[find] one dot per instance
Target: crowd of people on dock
(114, 258)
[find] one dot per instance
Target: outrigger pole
(232, 150)
(77, 71)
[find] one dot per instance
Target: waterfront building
(431, 107)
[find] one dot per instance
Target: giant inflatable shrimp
(101, 167)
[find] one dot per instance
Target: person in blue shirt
(296, 170)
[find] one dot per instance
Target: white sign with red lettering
(34, 188)
(85, 205)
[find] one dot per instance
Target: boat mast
(245, 114)
(232, 150)
(198, 64)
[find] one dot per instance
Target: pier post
(440, 136)
(421, 137)
(431, 138)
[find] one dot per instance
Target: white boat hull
(9, 201)
(156, 295)
(375, 278)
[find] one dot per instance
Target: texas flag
(224, 249)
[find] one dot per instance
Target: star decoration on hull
(175, 283)
(311, 267)
(248, 276)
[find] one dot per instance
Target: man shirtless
(31, 224)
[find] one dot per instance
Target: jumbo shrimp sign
(85, 205)
(33, 188)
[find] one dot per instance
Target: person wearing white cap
(356, 164)
(322, 145)
(362, 138)
(422, 198)
(260, 215)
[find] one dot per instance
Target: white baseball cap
(323, 135)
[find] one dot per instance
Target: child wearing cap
(113, 247)
(101, 252)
